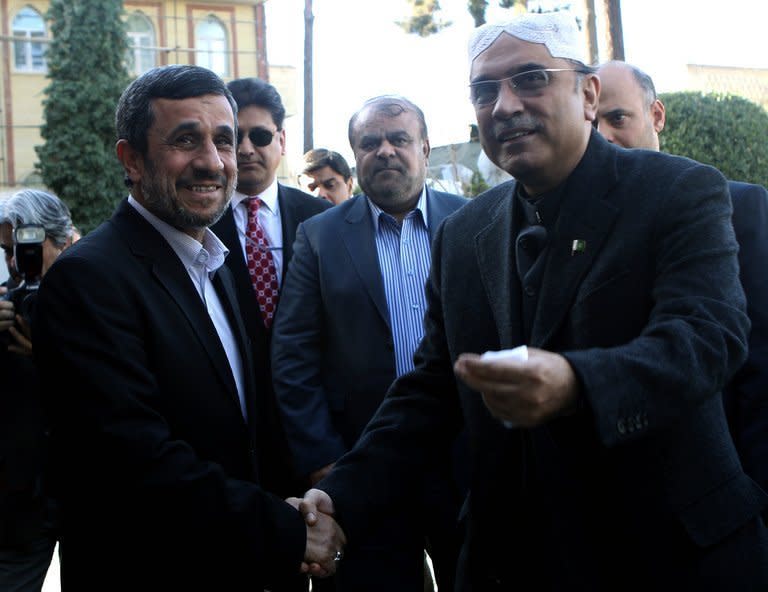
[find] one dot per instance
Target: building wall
(750, 83)
(22, 93)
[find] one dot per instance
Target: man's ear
(132, 161)
(658, 115)
(590, 89)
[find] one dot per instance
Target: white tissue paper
(518, 353)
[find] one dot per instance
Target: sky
(360, 52)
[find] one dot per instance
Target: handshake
(325, 539)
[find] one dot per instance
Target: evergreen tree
(87, 72)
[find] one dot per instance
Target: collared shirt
(201, 263)
(269, 218)
(404, 259)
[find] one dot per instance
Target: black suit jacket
(746, 396)
(156, 466)
(278, 474)
(642, 484)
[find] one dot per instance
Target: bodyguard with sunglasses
(259, 228)
(601, 458)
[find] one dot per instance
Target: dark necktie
(261, 264)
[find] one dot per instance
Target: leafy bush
(727, 132)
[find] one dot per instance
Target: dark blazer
(295, 206)
(746, 396)
(333, 357)
(642, 484)
(156, 466)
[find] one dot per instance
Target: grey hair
(31, 206)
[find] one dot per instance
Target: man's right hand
(325, 539)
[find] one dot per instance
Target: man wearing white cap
(601, 458)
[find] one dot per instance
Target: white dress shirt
(201, 261)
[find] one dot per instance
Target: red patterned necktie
(261, 265)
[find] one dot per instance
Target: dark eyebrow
(185, 126)
(617, 111)
(226, 130)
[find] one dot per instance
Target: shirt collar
(421, 206)
(268, 196)
(211, 254)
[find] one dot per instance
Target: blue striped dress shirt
(404, 258)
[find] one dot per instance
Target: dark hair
(134, 115)
(322, 157)
(249, 92)
(391, 105)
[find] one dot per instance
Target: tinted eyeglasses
(259, 136)
(524, 84)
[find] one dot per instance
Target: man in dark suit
(601, 457)
(349, 322)
(260, 147)
(632, 116)
(149, 381)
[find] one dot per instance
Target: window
(29, 55)
(211, 44)
(141, 41)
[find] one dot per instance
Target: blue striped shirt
(404, 258)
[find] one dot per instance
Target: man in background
(349, 323)
(328, 175)
(28, 529)
(259, 228)
(632, 116)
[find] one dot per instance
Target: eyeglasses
(523, 84)
(259, 136)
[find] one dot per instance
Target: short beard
(160, 198)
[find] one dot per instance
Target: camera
(28, 242)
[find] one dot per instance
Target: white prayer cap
(556, 30)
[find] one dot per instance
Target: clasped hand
(524, 393)
(325, 539)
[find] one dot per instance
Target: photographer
(35, 227)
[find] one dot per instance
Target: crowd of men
(232, 384)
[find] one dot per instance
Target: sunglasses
(258, 136)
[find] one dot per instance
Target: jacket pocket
(723, 510)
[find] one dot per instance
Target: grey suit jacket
(643, 479)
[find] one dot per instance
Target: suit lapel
(495, 258)
(359, 239)
(584, 222)
(147, 243)
(225, 288)
(289, 219)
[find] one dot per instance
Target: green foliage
(87, 74)
(476, 185)
(727, 132)
(423, 21)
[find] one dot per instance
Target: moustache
(516, 123)
(198, 176)
(388, 168)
